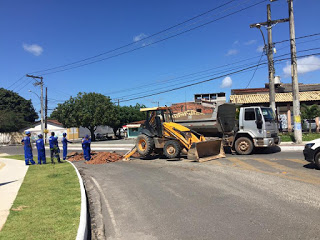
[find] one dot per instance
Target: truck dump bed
(207, 124)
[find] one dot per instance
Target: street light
(264, 40)
(42, 129)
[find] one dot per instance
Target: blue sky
(38, 35)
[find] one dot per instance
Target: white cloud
(226, 82)
(139, 37)
(232, 52)
(260, 48)
(305, 65)
(250, 42)
(35, 49)
(236, 42)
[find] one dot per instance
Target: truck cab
(246, 128)
(260, 124)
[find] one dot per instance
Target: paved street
(263, 196)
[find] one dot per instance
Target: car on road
(311, 152)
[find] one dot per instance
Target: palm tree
(310, 113)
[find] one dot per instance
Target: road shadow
(310, 166)
(5, 183)
(266, 150)
(269, 150)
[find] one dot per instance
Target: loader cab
(155, 117)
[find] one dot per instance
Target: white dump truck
(241, 128)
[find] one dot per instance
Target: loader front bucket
(206, 150)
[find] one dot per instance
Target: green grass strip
(289, 137)
(47, 205)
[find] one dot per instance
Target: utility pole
(294, 75)
(46, 115)
(41, 98)
(269, 52)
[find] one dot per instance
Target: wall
(11, 138)
(181, 107)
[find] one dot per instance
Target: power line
(206, 76)
(254, 73)
(24, 86)
(306, 36)
(211, 79)
(143, 39)
(161, 40)
(16, 82)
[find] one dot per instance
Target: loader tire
(172, 149)
(243, 146)
(144, 145)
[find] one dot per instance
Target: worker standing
(54, 148)
(28, 156)
(65, 142)
(86, 141)
(41, 150)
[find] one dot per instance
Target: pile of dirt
(104, 157)
(75, 156)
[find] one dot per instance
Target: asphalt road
(264, 196)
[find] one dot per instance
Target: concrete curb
(83, 224)
(291, 148)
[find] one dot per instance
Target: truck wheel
(317, 160)
(171, 149)
(144, 145)
(243, 146)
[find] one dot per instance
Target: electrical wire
(161, 40)
(254, 73)
(306, 36)
(211, 79)
(143, 39)
(16, 81)
(206, 76)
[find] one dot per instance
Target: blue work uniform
(65, 142)
(54, 148)
(41, 151)
(28, 156)
(86, 149)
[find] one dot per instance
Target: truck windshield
(267, 114)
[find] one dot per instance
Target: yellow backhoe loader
(161, 134)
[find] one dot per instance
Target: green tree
(88, 110)
(15, 111)
(309, 113)
(127, 114)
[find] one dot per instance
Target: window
(213, 97)
(268, 114)
(249, 114)
(199, 110)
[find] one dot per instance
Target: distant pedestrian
(28, 156)
(54, 148)
(86, 142)
(65, 142)
(41, 150)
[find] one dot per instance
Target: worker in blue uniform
(28, 156)
(41, 150)
(86, 142)
(54, 148)
(65, 142)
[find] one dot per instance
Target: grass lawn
(289, 137)
(47, 205)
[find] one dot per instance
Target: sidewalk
(12, 173)
(291, 146)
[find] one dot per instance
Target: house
(309, 94)
(52, 126)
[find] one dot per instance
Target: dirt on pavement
(96, 157)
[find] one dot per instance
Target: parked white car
(311, 152)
